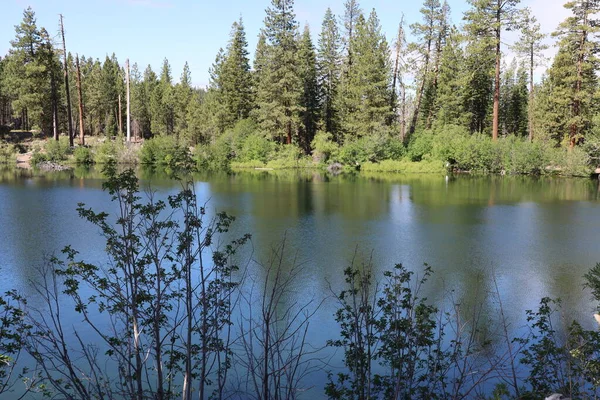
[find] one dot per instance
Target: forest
(352, 96)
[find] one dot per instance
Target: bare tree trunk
(496, 116)
(69, 117)
(415, 118)
(79, 93)
(120, 117)
(128, 101)
(54, 107)
(531, 95)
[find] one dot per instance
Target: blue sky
(147, 31)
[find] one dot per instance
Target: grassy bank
(244, 147)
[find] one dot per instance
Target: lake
(530, 237)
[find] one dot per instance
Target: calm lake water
(533, 237)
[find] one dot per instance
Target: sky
(147, 31)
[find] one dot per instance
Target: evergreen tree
(279, 86)
(574, 70)
(398, 82)
(487, 19)
(531, 48)
(235, 78)
(162, 103)
(27, 78)
(452, 83)
(328, 71)
(183, 94)
(309, 101)
(426, 34)
(368, 102)
(442, 29)
(514, 100)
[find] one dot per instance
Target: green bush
(256, 147)
(7, 152)
(570, 162)
(520, 156)
(215, 156)
(289, 156)
(164, 151)
(58, 150)
(324, 148)
(83, 156)
(405, 166)
(420, 145)
(106, 152)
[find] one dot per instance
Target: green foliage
(83, 156)
(324, 148)
(54, 150)
(406, 166)
(215, 156)
(164, 151)
(7, 152)
(288, 156)
(256, 147)
(560, 365)
(393, 326)
(107, 152)
(369, 149)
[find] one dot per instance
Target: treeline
(352, 85)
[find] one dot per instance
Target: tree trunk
(415, 118)
(80, 98)
(128, 101)
(496, 115)
(69, 117)
(54, 107)
(120, 117)
(531, 88)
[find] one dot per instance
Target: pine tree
(426, 34)
(309, 101)
(487, 19)
(575, 66)
(530, 47)
(162, 103)
(235, 78)
(183, 94)
(442, 29)
(398, 82)
(27, 78)
(328, 71)
(452, 82)
(368, 102)
(279, 88)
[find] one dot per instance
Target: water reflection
(535, 236)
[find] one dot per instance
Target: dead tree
(69, 117)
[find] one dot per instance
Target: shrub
(106, 152)
(83, 156)
(324, 148)
(571, 162)
(289, 156)
(57, 150)
(256, 148)
(215, 156)
(405, 166)
(163, 150)
(520, 156)
(7, 152)
(419, 145)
